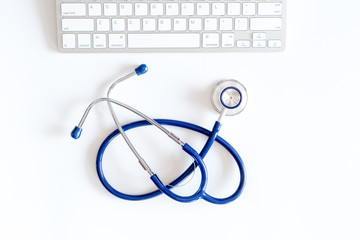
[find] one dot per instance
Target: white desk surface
(299, 135)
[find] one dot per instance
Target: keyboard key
(249, 9)
(259, 36)
(210, 24)
(264, 24)
(218, 9)
(274, 43)
(156, 9)
(186, 40)
(68, 40)
(116, 40)
(172, 9)
(226, 24)
(103, 25)
(195, 24)
(227, 40)
(179, 24)
(73, 9)
(84, 41)
(243, 43)
(125, 9)
(94, 9)
(110, 9)
(259, 44)
(203, 9)
(233, 9)
(141, 9)
(241, 24)
(118, 24)
(271, 9)
(164, 24)
(77, 25)
(149, 24)
(187, 9)
(99, 40)
(133, 24)
(210, 40)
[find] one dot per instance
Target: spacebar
(164, 40)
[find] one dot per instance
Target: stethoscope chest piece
(231, 95)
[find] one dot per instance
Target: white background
(299, 136)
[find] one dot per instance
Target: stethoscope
(228, 97)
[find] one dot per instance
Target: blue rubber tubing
(212, 137)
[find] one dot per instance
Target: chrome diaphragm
(229, 94)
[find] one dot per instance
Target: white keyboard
(171, 25)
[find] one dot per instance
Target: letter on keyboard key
(172, 9)
(187, 9)
(94, 9)
(133, 24)
(179, 24)
(195, 24)
(218, 8)
(156, 9)
(78, 25)
(164, 24)
(141, 9)
(110, 9)
(73, 9)
(102, 25)
(118, 24)
(191, 40)
(202, 9)
(149, 24)
(125, 9)
(266, 24)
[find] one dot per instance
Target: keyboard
(171, 25)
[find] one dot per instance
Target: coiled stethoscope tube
(231, 100)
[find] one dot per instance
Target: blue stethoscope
(228, 98)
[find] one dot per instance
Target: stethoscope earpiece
(230, 95)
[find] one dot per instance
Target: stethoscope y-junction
(228, 98)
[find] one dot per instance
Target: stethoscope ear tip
(141, 69)
(76, 132)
